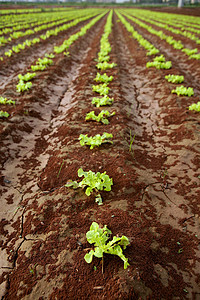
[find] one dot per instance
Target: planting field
(96, 131)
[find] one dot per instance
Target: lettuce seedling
(99, 237)
(174, 78)
(160, 58)
(4, 114)
(102, 101)
(44, 61)
(105, 65)
(6, 101)
(159, 65)
(159, 62)
(101, 116)
(195, 56)
(22, 86)
(38, 68)
(49, 55)
(183, 91)
(195, 106)
(8, 53)
(189, 52)
(102, 89)
(96, 140)
(27, 76)
(93, 182)
(103, 78)
(152, 51)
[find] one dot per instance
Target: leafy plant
(195, 106)
(4, 114)
(103, 78)
(189, 52)
(27, 76)
(152, 51)
(96, 140)
(8, 53)
(183, 91)
(174, 78)
(102, 89)
(102, 101)
(6, 101)
(93, 181)
(49, 55)
(101, 116)
(195, 56)
(160, 58)
(38, 68)
(159, 63)
(22, 86)
(44, 61)
(105, 65)
(99, 237)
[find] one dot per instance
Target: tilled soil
(155, 198)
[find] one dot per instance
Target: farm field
(89, 93)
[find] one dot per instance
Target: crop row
(163, 24)
(31, 10)
(25, 81)
(35, 26)
(183, 26)
(159, 62)
(176, 44)
(82, 16)
(95, 182)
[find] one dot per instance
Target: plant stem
(60, 168)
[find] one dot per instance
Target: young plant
(93, 182)
(152, 51)
(105, 65)
(132, 138)
(8, 53)
(183, 91)
(189, 52)
(103, 78)
(159, 65)
(44, 61)
(96, 140)
(102, 89)
(160, 58)
(6, 101)
(49, 55)
(4, 114)
(38, 68)
(102, 101)
(22, 86)
(174, 78)
(101, 116)
(195, 106)
(99, 237)
(42, 64)
(27, 76)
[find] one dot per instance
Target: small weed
(32, 269)
(60, 168)
(132, 138)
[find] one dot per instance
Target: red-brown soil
(155, 198)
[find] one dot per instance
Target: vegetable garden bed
(140, 167)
